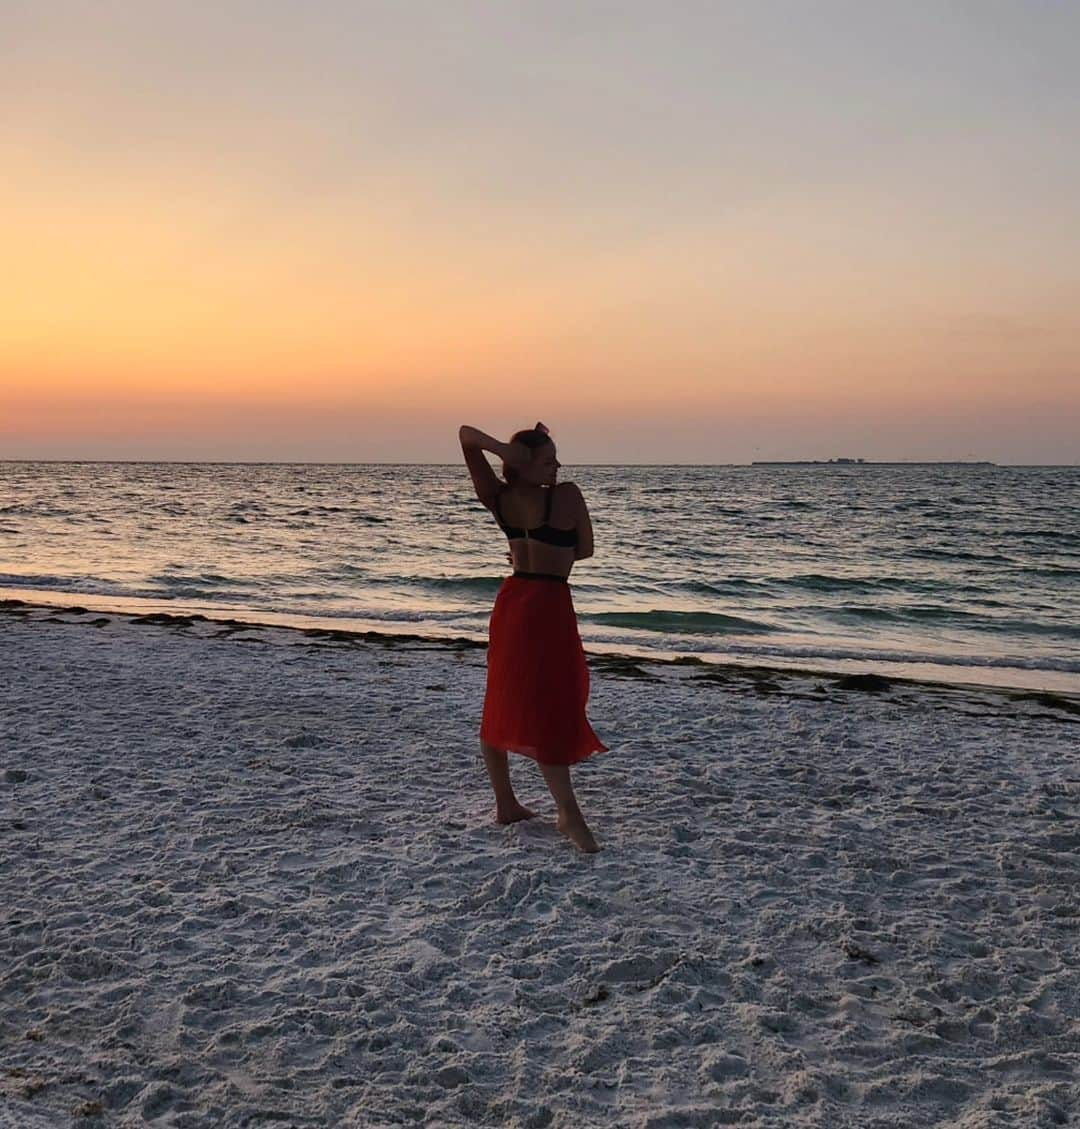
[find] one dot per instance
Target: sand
(249, 876)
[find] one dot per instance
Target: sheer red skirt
(537, 678)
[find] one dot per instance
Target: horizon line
(337, 462)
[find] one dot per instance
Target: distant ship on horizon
(871, 462)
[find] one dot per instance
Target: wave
(98, 586)
(849, 654)
(486, 584)
(1063, 535)
(959, 555)
(194, 592)
(179, 579)
(681, 622)
(64, 583)
(323, 512)
(826, 583)
(36, 509)
(358, 577)
(736, 586)
(823, 582)
(949, 617)
(1052, 572)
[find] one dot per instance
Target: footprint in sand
(305, 741)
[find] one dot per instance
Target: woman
(537, 680)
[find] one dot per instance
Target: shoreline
(603, 659)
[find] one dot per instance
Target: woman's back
(541, 527)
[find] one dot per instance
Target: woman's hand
(516, 454)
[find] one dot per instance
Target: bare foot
(513, 814)
(577, 831)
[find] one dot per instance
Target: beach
(249, 875)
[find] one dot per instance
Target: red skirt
(537, 679)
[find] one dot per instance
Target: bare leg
(507, 807)
(570, 821)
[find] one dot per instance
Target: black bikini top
(548, 534)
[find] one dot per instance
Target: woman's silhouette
(537, 680)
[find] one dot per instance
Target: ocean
(950, 572)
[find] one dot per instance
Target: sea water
(967, 573)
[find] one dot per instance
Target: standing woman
(537, 680)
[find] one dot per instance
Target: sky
(683, 232)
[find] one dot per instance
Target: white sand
(252, 879)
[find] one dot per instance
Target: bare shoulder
(567, 491)
(569, 496)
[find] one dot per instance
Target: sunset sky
(676, 232)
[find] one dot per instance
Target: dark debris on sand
(1050, 701)
(167, 620)
(867, 683)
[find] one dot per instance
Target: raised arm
(473, 445)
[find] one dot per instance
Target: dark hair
(532, 438)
